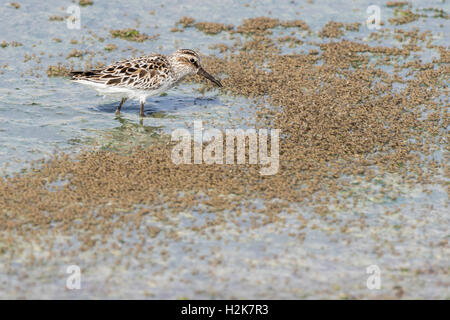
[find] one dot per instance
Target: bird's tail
(75, 73)
(83, 74)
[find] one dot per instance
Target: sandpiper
(138, 78)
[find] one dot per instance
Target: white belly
(121, 92)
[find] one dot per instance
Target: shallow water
(40, 115)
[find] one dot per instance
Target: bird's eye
(192, 60)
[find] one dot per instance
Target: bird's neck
(180, 70)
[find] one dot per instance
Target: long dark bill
(205, 74)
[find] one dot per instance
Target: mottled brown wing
(147, 72)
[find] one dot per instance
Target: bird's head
(187, 62)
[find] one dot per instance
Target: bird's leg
(120, 105)
(141, 114)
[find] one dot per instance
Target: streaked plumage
(145, 76)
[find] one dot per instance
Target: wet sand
(363, 177)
